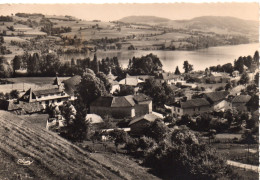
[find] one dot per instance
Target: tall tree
(187, 67)
(33, 64)
(256, 57)
(177, 71)
(16, 63)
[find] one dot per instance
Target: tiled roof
(131, 81)
(241, 99)
(27, 107)
(148, 117)
(217, 96)
(121, 101)
(47, 91)
(141, 97)
(194, 103)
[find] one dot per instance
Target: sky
(111, 12)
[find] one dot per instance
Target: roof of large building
(71, 84)
(47, 91)
(120, 101)
(131, 81)
(241, 99)
(194, 103)
(217, 96)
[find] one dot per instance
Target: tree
(244, 79)
(14, 94)
(239, 65)
(119, 136)
(49, 64)
(256, 58)
(33, 64)
(256, 80)
(90, 88)
(187, 67)
(104, 79)
(156, 130)
(144, 65)
(177, 71)
(125, 90)
(16, 63)
(75, 125)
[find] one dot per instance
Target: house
(122, 106)
(131, 81)
(45, 96)
(169, 78)
(137, 125)
(216, 77)
(235, 73)
(239, 102)
(190, 107)
(218, 100)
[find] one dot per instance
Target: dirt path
(244, 166)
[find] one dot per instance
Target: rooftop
(192, 103)
(241, 99)
(216, 96)
(148, 117)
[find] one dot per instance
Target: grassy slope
(53, 157)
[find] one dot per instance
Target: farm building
(122, 106)
(190, 107)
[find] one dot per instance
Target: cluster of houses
(217, 101)
(137, 107)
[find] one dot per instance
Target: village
(140, 112)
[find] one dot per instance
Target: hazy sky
(110, 12)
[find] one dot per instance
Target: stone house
(190, 107)
(122, 106)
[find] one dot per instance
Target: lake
(200, 59)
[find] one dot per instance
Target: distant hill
(205, 23)
(222, 22)
(143, 19)
(53, 157)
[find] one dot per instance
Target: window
(52, 101)
(59, 100)
(198, 108)
(178, 110)
(174, 108)
(194, 109)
